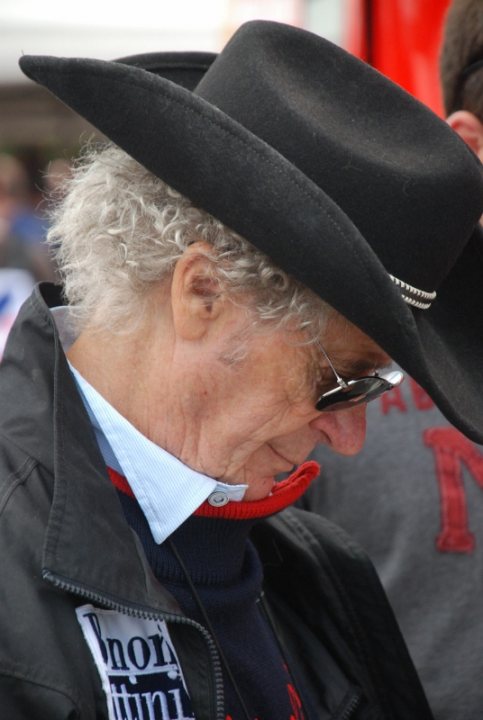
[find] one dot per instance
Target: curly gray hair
(119, 229)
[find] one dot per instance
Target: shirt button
(218, 498)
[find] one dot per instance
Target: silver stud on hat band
(413, 295)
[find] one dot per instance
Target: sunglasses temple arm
(340, 381)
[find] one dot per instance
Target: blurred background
(39, 136)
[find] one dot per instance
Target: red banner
(401, 38)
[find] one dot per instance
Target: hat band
(413, 295)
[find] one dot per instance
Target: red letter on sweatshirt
(451, 449)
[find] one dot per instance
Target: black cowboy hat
(343, 179)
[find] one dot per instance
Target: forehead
(351, 350)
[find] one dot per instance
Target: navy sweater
(226, 571)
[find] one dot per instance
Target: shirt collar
(167, 490)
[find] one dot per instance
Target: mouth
(287, 464)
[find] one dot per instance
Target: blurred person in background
(20, 230)
(24, 256)
(414, 496)
(23, 224)
(18, 261)
(462, 71)
(237, 271)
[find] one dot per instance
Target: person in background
(461, 71)
(19, 265)
(238, 270)
(16, 242)
(24, 255)
(413, 497)
(22, 226)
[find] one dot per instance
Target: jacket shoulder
(319, 544)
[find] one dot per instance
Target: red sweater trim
(284, 493)
(120, 482)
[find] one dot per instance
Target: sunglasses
(350, 393)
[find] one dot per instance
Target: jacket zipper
(218, 688)
(351, 707)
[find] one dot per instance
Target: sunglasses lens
(359, 391)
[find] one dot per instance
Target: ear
(196, 300)
(469, 128)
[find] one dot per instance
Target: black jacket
(64, 542)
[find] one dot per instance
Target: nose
(342, 430)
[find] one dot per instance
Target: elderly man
(238, 269)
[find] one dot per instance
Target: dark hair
(461, 71)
